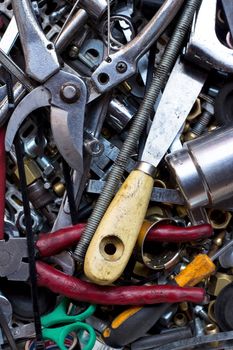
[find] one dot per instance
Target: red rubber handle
(169, 233)
(74, 288)
(52, 243)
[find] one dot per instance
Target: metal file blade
(182, 89)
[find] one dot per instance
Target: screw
(121, 67)
(74, 52)
(69, 92)
(204, 120)
(199, 311)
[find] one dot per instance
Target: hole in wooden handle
(111, 248)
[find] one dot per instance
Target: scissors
(70, 323)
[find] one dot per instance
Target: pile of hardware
(116, 174)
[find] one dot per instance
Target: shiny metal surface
(146, 168)
(95, 9)
(180, 93)
(66, 123)
(77, 21)
(34, 43)
(203, 169)
(119, 114)
(106, 76)
(204, 46)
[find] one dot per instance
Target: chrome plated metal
(119, 114)
(204, 46)
(123, 64)
(76, 23)
(203, 169)
(34, 43)
(95, 9)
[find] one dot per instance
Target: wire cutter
(14, 266)
(70, 323)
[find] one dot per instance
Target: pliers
(64, 92)
(14, 267)
(67, 93)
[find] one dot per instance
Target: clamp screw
(121, 67)
(70, 93)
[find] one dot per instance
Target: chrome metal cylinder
(203, 168)
(95, 9)
(75, 24)
(119, 114)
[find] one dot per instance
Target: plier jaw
(67, 115)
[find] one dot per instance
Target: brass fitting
(217, 282)
(156, 213)
(180, 319)
(219, 219)
(212, 328)
(59, 189)
(211, 313)
(157, 261)
(32, 171)
(189, 136)
(217, 243)
(195, 111)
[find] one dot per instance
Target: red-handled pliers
(50, 244)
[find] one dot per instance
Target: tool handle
(38, 51)
(132, 324)
(116, 235)
(74, 288)
(53, 243)
(171, 233)
(201, 267)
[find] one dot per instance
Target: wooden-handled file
(114, 240)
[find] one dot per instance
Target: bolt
(204, 120)
(121, 67)
(74, 52)
(69, 92)
(199, 311)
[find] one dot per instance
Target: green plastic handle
(59, 315)
(59, 334)
(73, 323)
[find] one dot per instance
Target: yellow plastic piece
(201, 267)
(117, 233)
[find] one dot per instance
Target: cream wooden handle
(116, 235)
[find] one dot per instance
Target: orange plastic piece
(201, 267)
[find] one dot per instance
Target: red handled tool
(49, 244)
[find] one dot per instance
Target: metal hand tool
(113, 242)
(64, 92)
(123, 64)
(78, 289)
(68, 123)
(70, 323)
(204, 47)
(13, 266)
(13, 251)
